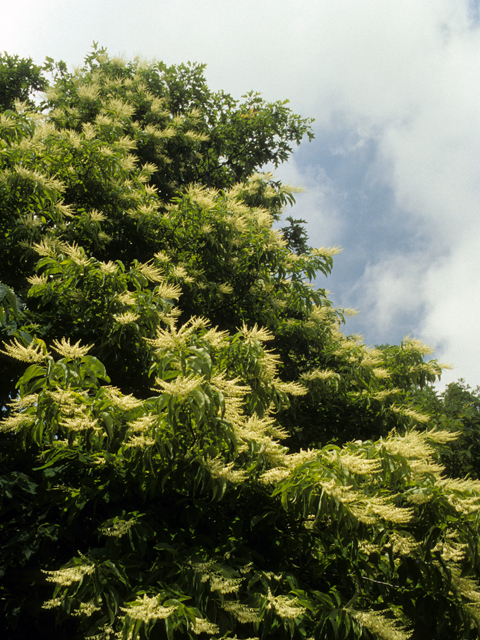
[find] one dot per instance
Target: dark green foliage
(462, 404)
(457, 409)
(296, 235)
(19, 78)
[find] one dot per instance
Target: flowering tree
(190, 444)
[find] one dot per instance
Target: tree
(456, 409)
(19, 78)
(190, 445)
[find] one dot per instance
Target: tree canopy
(19, 78)
(190, 445)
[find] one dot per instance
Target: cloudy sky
(393, 175)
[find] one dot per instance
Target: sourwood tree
(190, 445)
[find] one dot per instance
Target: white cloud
(390, 291)
(319, 205)
(453, 318)
(430, 156)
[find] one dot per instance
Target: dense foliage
(190, 445)
(19, 78)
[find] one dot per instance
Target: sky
(393, 175)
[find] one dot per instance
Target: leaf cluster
(19, 78)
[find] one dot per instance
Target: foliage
(188, 133)
(457, 409)
(190, 445)
(296, 235)
(18, 79)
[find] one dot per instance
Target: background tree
(457, 409)
(190, 445)
(19, 78)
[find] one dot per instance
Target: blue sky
(393, 175)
